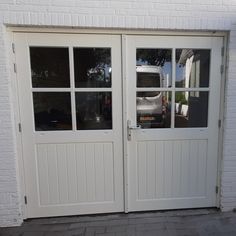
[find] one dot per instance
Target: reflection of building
(195, 72)
(191, 62)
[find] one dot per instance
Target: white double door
(79, 154)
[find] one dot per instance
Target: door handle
(131, 127)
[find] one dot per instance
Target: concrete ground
(168, 223)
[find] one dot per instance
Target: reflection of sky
(167, 69)
(179, 72)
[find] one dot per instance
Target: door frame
(14, 93)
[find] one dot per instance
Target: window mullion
(173, 89)
(72, 86)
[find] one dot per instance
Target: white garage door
(70, 96)
(173, 86)
(70, 107)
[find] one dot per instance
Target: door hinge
(25, 199)
(19, 127)
(219, 123)
(13, 48)
(217, 189)
(222, 69)
(14, 65)
(222, 51)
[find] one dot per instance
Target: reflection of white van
(149, 76)
(149, 104)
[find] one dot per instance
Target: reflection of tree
(93, 57)
(91, 61)
(156, 57)
(180, 83)
(180, 98)
(50, 66)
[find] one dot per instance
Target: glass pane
(92, 67)
(154, 109)
(49, 67)
(191, 109)
(192, 68)
(52, 111)
(93, 110)
(153, 68)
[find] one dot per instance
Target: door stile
(124, 110)
(72, 90)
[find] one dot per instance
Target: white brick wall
(9, 197)
(228, 198)
(148, 14)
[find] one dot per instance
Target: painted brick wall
(9, 197)
(148, 14)
(228, 199)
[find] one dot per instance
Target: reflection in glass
(191, 109)
(49, 67)
(93, 110)
(52, 111)
(153, 67)
(92, 67)
(153, 109)
(192, 68)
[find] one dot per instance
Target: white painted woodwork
(74, 173)
(70, 172)
(172, 168)
(82, 172)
